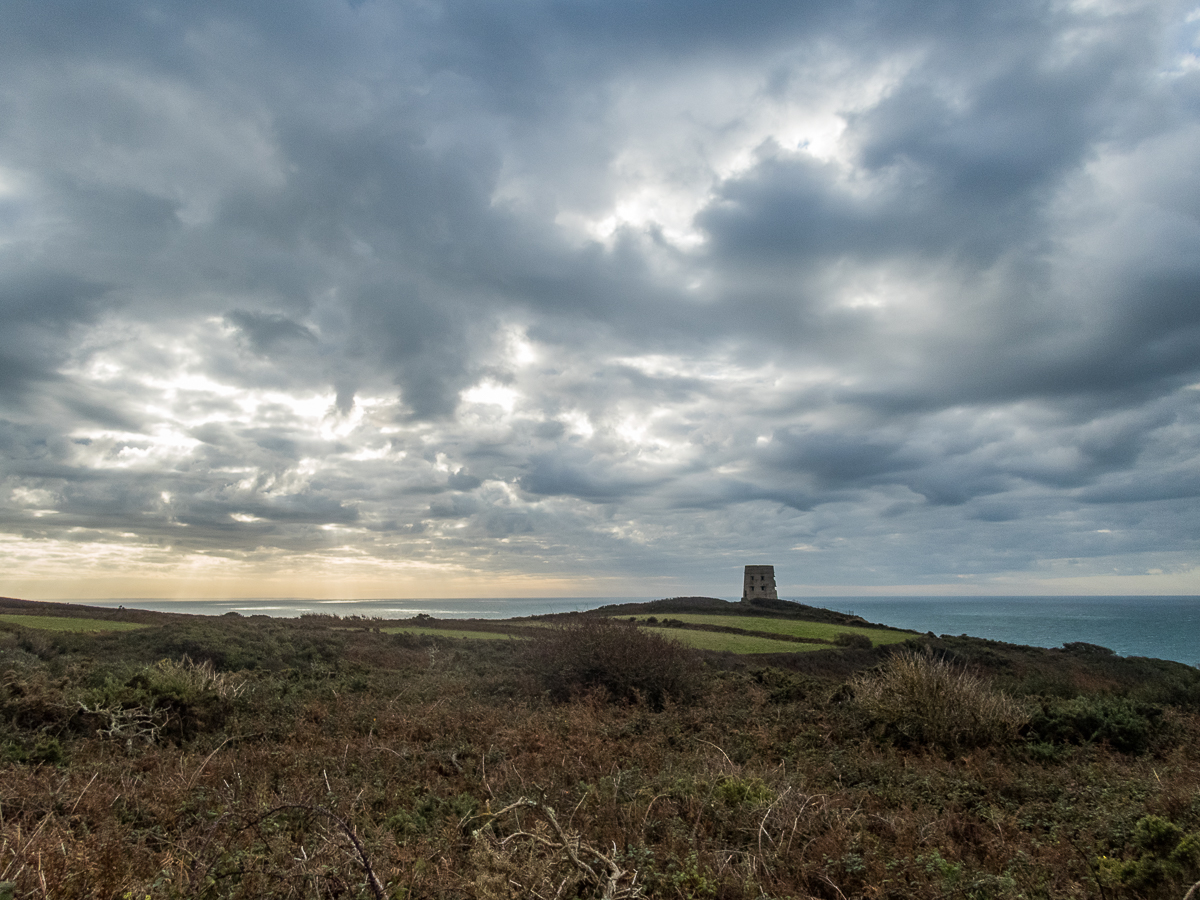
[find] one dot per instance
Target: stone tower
(759, 583)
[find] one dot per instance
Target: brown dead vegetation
(292, 759)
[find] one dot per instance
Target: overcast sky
(570, 297)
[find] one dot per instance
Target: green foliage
(168, 700)
(688, 880)
(919, 698)
(1163, 854)
(430, 814)
(1120, 723)
(784, 687)
(65, 623)
(735, 791)
(37, 750)
(623, 660)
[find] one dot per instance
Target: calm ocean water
(464, 608)
(1163, 627)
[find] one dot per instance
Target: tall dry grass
(924, 699)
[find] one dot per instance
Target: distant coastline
(1161, 627)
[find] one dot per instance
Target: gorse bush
(170, 699)
(1123, 724)
(920, 698)
(628, 663)
(1160, 856)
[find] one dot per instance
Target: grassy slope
(798, 628)
(64, 623)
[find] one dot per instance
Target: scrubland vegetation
(322, 757)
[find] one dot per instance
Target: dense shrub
(1123, 724)
(1161, 855)
(853, 641)
(630, 664)
(171, 700)
(920, 698)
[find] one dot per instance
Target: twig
(722, 752)
(81, 793)
(1087, 863)
(829, 881)
(372, 880)
(192, 780)
(28, 843)
(608, 885)
(566, 843)
(762, 826)
(649, 806)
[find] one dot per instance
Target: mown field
(815, 631)
(700, 640)
(251, 757)
(60, 623)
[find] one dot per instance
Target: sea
(1162, 627)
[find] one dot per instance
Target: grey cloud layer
(884, 292)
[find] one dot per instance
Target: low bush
(919, 698)
(853, 641)
(1164, 858)
(628, 663)
(1120, 723)
(175, 700)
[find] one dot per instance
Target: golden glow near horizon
(38, 570)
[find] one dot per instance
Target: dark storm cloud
(39, 309)
(893, 291)
(265, 331)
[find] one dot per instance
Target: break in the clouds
(419, 298)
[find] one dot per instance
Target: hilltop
(760, 607)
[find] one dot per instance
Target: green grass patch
(732, 643)
(448, 632)
(822, 631)
(64, 623)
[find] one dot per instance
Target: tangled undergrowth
(266, 758)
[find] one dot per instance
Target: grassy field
(821, 631)
(699, 640)
(731, 643)
(63, 623)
